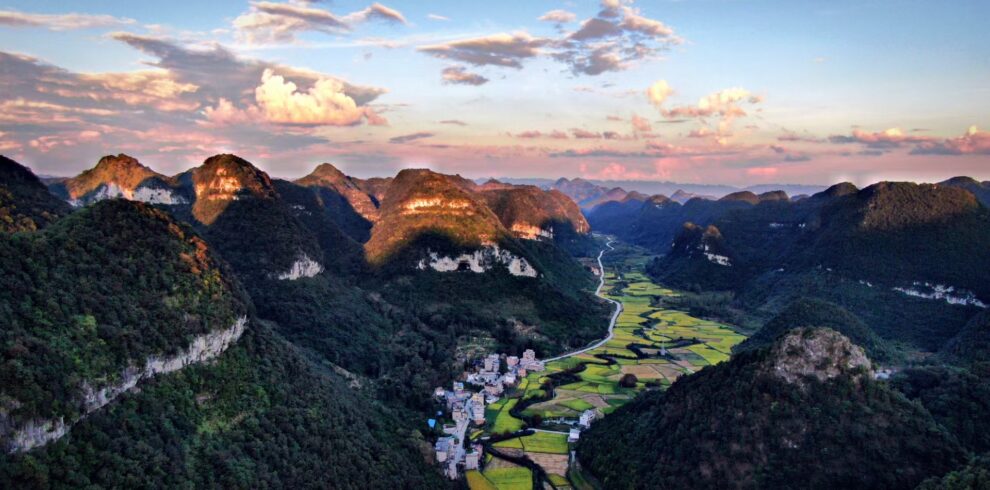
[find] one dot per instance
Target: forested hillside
(97, 294)
(25, 203)
(803, 410)
(903, 257)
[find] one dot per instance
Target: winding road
(615, 314)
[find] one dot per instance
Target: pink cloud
(762, 171)
(641, 124)
(974, 142)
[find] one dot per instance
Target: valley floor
(654, 344)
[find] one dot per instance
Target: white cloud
(60, 22)
(558, 16)
(658, 92)
(280, 101)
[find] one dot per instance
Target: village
(465, 405)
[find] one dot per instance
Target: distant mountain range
(589, 192)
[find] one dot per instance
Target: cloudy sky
(699, 91)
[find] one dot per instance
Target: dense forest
(25, 203)
(864, 250)
(830, 426)
(261, 417)
(97, 291)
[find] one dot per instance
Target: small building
(460, 415)
(439, 392)
(478, 413)
(509, 379)
(495, 388)
(511, 361)
(574, 435)
(492, 363)
(587, 417)
(458, 386)
(472, 459)
(529, 355)
(521, 373)
(442, 448)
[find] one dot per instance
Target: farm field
(540, 442)
(509, 477)
(654, 343)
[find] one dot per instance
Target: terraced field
(653, 343)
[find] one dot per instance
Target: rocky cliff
(17, 436)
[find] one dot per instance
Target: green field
(504, 421)
(514, 478)
(691, 343)
(477, 481)
(539, 442)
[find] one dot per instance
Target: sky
(693, 91)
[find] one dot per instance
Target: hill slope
(814, 313)
(900, 256)
(120, 176)
(804, 410)
(25, 203)
(118, 296)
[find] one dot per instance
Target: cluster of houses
(467, 406)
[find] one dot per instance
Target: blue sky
(804, 92)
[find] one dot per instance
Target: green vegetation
(477, 481)
(851, 248)
(807, 312)
(959, 399)
(97, 291)
(25, 203)
(538, 442)
(740, 422)
(261, 416)
(504, 421)
(510, 478)
(971, 345)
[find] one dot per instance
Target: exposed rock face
(145, 193)
(707, 242)
(531, 213)
(481, 260)
(302, 267)
(530, 232)
(120, 176)
(820, 353)
(22, 436)
(225, 178)
(420, 202)
(940, 292)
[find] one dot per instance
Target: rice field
(504, 421)
(509, 478)
(539, 442)
(673, 342)
(655, 344)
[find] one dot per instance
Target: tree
(628, 380)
